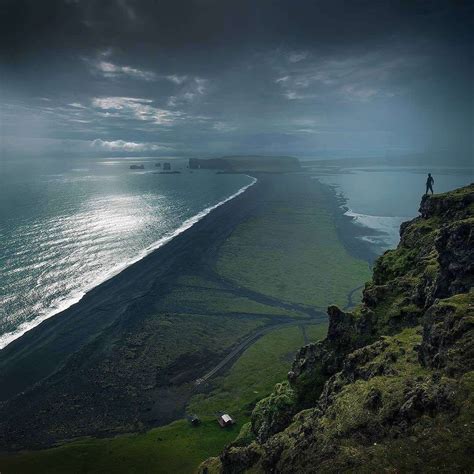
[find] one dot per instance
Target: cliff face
(391, 388)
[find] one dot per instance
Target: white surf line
(75, 297)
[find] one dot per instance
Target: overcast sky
(247, 76)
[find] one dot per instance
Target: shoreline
(40, 367)
(350, 233)
(7, 338)
(150, 268)
(372, 241)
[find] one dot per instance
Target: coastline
(351, 234)
(60, 362)
(150, 267)
(9, 337)
(381, 220)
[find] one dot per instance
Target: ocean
(67, 225)
(380, 198)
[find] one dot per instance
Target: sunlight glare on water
(72, 229)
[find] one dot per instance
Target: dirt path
(245, 292)
(350, 302)
(248, 342)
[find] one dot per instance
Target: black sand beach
(103, 366)
(44, 349)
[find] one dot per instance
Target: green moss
(432, 270)
(412, 257)
(449, 334)
(309, 385)
(245, 436)
(274, 413)
(435, 444)
(357, 426)
(211, 466)
(451, 198)
(282, 396)
(461, 304)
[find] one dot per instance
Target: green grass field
(255, 373)
(294, 254)
(205, 296)
(175, 448)
(179, 447)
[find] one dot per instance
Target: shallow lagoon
(380, 198)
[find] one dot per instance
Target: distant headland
(247, 163)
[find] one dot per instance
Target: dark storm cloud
(221, 76)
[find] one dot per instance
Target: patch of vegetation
(256, 372)
(245, 436)
(294, 254)
(274, 413)
(352, 409)
(197, 294)
(175, 448)
(167, 337)
(180, 447)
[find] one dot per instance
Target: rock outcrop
(391, 388)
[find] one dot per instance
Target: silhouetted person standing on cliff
(429, 183)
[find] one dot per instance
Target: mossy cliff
(391, 388)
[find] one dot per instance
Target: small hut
(225, 420)
(194, 420)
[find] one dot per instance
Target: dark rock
(455, 247)
(427, 398)
(238, 460)
(448, 335)
(374, 400)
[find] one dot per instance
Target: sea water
(380, 198)
(67, 225)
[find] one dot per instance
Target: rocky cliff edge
(391, 388)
